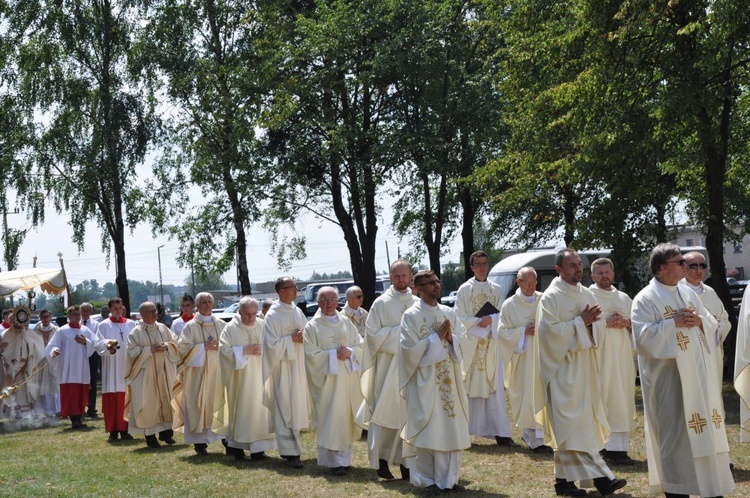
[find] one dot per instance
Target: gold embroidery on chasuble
(669, 312)
(682, 341)
(443, 372)
(697, 423)
(481, 354)
(716, 418)
(477, 301)
(339, 337)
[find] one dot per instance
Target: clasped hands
(590, 314)
(211, 345)
(687, 317)
(617, 321)
(445, 332)
(343, 353)
(252, 349)
(159, 348)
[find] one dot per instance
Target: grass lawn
(55, 461)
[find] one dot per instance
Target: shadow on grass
(164, 448)
(741, 475)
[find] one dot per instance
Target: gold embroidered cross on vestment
(716, 418)
(697, 423)
(682, 340)
(669, 312)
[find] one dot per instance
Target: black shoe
(167, 439)
(92, 414)
(432, 488)
(76, 423)
(338, 471)
(542, 449)
(239, 454)
(296, 462)
(152, 442)
(126, 436)
(259, 456)
(568, 488)
(112, 437)
(620, 458)
(384, 472)
(457, 488)
(607, 486)
(404, 473)
(506, 442)
(201, 449)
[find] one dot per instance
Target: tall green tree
(94, 120)
(216, 84)
(331, 124)
(447, 111)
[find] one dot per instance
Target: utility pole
(161, 285)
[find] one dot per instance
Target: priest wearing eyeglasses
(686, 440)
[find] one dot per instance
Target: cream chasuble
(149, 378)
(741, 364)
(284, 377)
(518, 351)
(196, 387)
(334, 384)
(246, 419)
(616, 365)
(24, 351)
(430, 379)
(571, 411)
(686, 443)
(357, 317)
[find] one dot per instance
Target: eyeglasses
(328, 300)
(289, 287)
(431, 282)
(481, 265)
(680, 262)
(695, 266)
(359, 297)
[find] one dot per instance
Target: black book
(486, 310)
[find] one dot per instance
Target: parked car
(450, 299)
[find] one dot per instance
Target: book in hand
(486, 310)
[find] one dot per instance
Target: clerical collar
(572, 287)
(480, 281)
(332, 318)
(528, 299)
(428, 305)
(203, 318)
(697, 288)
(405, 291)
(357, 312)
(45, 329)
(122, 319)
(667, 287)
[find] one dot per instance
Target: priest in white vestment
(197, 385)
(187, 305)
(150, 373)
(246, 419)
(571, 410)
(430, 376)
(115, 328)
(686, 440)
(333, 352)
(353, 309)
(21, 350)
(484, 374)
(516, 329)
(49, 387)
(742, 366)
(616, 365)
(383, 409)
(74, 344)
(285, 380)
(695, 274)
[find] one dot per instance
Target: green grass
(55, 461)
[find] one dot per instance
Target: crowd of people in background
(416, 378)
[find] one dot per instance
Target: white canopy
(51, 281)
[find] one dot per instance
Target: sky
(326, 252)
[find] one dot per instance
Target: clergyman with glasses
(478, 303)
(686, 440)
